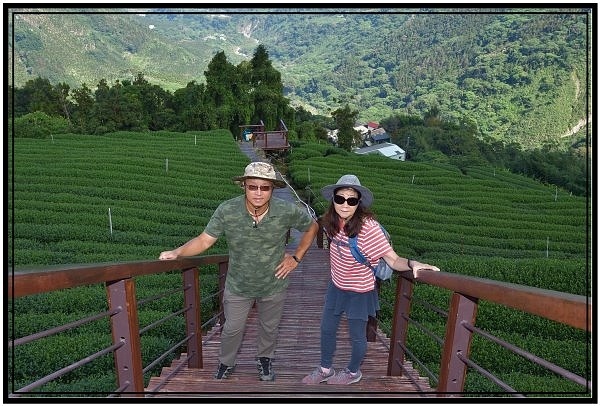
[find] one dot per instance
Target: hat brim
(366, 197)
(278, 183)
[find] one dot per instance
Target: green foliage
(39, 125)
(344, 120)
(253, 91)
(517, 75)
(64, 188)
(475, 220)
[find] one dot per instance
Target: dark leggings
(358, 336)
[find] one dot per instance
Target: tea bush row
(478, 225)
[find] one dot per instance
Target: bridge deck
(298, 347)
(296, 355)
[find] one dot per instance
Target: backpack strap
(356, 253)
(358, 256)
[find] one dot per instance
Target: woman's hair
(331, 220)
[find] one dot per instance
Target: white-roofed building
(386, 149)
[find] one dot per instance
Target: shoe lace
(265, 364)
(223, 370)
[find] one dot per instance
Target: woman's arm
(405, 264)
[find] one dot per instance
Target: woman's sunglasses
(352, 201)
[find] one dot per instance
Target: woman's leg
(358, 337)
(329, 327)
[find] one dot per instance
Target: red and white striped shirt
(346, 272)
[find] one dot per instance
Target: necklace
(256, 216)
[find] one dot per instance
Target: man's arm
(290, 262)
(193, 247)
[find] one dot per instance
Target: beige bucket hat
(260, 170)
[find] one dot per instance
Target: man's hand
(285, 267)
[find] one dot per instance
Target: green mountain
(518, 75)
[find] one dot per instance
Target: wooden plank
(271, 140)
(297, 353)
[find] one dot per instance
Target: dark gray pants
(269, 310)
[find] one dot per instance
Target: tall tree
(243, 99)
(83, 118)
(221, 76)
(266, 90)
(187, 104)
(154, 102)
(38, 95)
(102, 112)
(61, 92)
(344, 119)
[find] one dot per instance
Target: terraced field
(77, 199)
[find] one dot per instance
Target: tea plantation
(80, 199)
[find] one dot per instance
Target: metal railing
(465, 294)
(120, 285)
(456, 344)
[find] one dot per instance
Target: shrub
(39, 125)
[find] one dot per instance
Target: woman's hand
(417, 266)
(167, 255)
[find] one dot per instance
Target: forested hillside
(516, 75)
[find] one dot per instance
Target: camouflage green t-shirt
(254, 252)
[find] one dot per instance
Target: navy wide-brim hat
(349, 181)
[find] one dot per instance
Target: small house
(372, 125)
(379, 136)
(386, 149)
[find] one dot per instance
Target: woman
(351, 289)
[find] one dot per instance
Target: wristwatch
(296, 258)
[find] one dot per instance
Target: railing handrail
(31, 281)
(467, 292)
(574, 310)
(119, 280)
(570, 309)
(567, 308)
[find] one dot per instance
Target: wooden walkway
(298, 347)
(271, 141)
(297, 353)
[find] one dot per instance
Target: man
(255, 225)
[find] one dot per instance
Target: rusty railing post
(191, 297)
(404, 291)
(453, 371)
(125, 328)
(372, 323)
(222, 275)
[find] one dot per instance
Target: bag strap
(353, 244)
(358, 256)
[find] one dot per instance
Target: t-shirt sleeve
(373, 242)
(302, 220)
(216, 226)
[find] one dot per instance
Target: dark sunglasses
(352, 201)
(254, 188)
